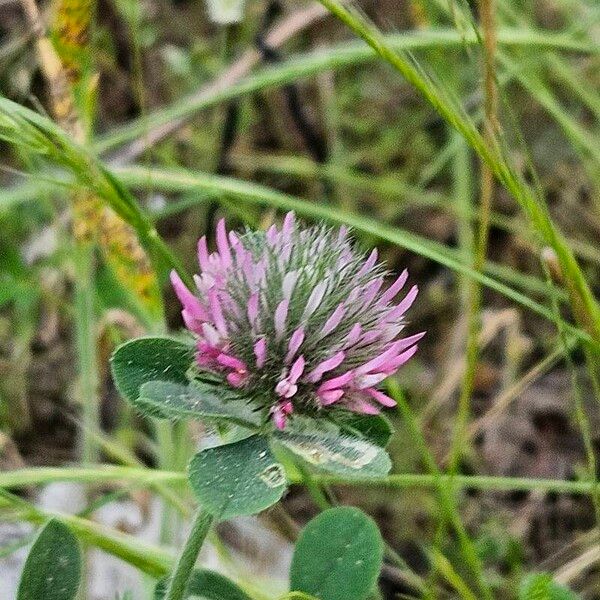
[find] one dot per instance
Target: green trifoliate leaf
(338, 556)
(196, 400)
(329, 449)
(150, 359)
(540, 586)
(205, 585)
(242, 478)
(53, 568)
(375, 428)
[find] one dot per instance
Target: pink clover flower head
(297, 319)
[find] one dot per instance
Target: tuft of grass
(584, 306)
(38, 135)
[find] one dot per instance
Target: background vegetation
(461, 139)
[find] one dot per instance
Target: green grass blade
(38, 135)
(584, 305)
(339, 57)
(21, 478)
(178, 179)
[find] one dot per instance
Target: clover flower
(298, 319)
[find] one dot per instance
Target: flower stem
(187, 559)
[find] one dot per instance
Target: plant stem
(315, 491)
(189, 554)
(445, 491)
(143, 476)
(490, 127)
(86, 349)
(580, 414)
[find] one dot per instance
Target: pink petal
(187, 299)
(353, 295)
(286, 389)
(217, 313)
(280, 316)
(289, 281)
(285, 253)
(260, 269)
(381, 397)
(252, 309)
(206, 354)
(330, 396)
(295, 343)
(394, 364)
(231, 361)
(236, 379)
(410, 340)
(241, 254)
(204, 282)
(288, 226)
(369, 263)
(353, 336)
(251, 272)
(297, 369)
(208, 349)
(397, 311)
(203, 253)
(367, 381)
(260, 351)
(211, 334)
(192, 323)
(314, 299)
(336, 382)
(205, 361)
(370, 292)
(376, 362)
(391, 292)
(370, 336)
(333, 321)
(279, 418)
(223, 244)
(346, 257)
(229, 304)
(271, 235)
(391, 332)
(327, 365)
(409, 298)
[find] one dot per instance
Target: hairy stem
(189, 554)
